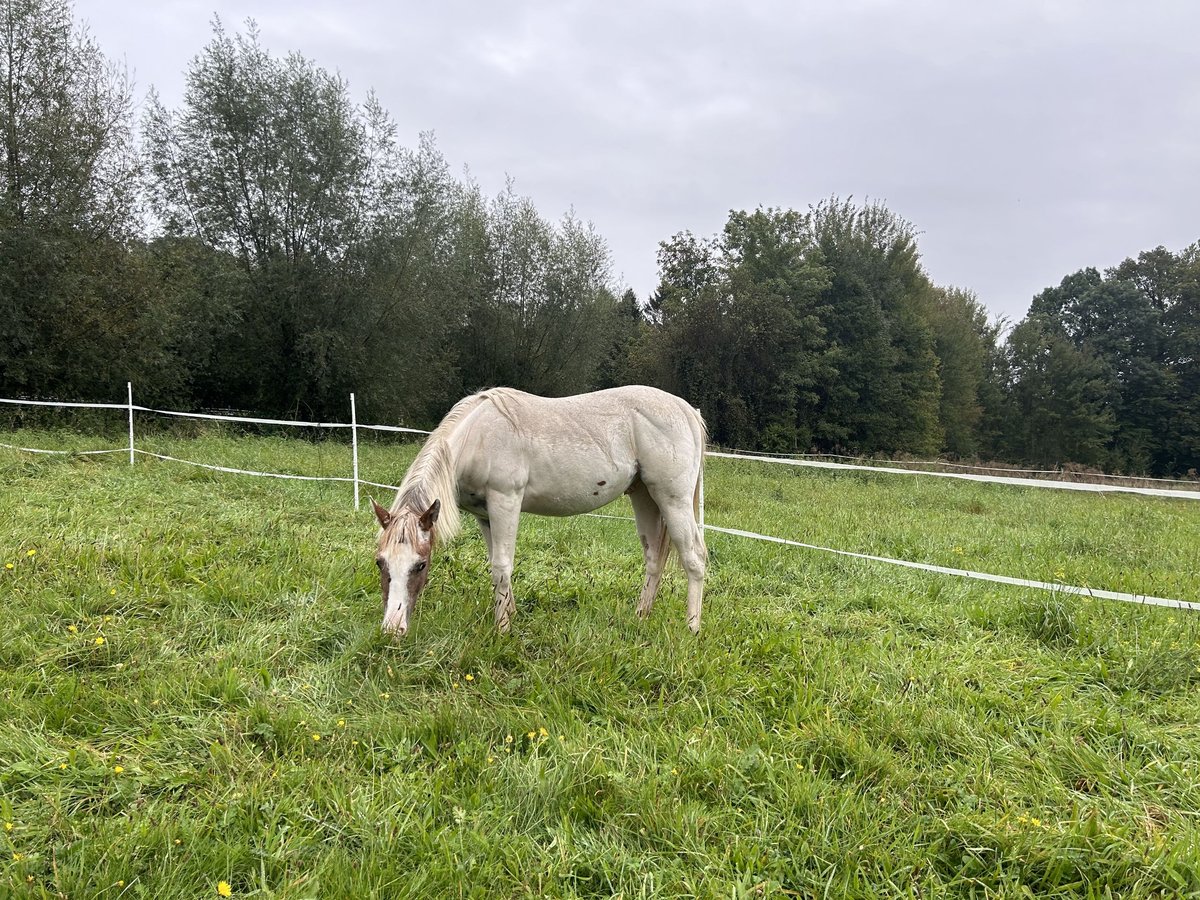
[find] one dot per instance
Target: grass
(194, 689)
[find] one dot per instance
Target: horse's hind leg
(689, 543)
(653, 535)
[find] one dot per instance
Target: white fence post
(129, 388)
(354, 445)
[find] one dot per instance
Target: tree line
(269, 245)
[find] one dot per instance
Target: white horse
(502, 452)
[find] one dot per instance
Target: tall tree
(1061, 397)
(271, 161)
(71, 305)
(68, 157)
(542, 311)
(1121, 325)
(737, 328)
(964, 342)
(1171, 284)
(886, 393)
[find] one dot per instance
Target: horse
(501, 452)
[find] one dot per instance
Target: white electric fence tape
(188, 462)
(247, 419)
(64, 403)
(382, 487)
(946, 570)
(1007, 470)
(65, 452)
(992, 479)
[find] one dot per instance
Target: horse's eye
(419, 567)
(379, 562)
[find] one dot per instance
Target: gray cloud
(1024, 140)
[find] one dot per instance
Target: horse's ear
(430, 516)
(381, 514)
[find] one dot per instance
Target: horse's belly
(563, 500)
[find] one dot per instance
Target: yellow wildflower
(118, 769)
(178, 842)
(8, 826)
(74, 629)
(31, 552)
(316, 737)
(543, 733)
(8, 565)
(341, 723)
(112, 592)
(17, 857)
(223, 889)
(385, 695)
(491, 759)
(120, 884)
(508, 739)
(470, 677)
(99, 642)
(531, 735)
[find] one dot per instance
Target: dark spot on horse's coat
(601, 483)
(595, 493)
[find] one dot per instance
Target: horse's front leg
(504, 514)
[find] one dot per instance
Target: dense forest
(269, 245)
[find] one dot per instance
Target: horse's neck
(433, 476)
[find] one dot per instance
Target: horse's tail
(664, 542)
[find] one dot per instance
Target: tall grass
(194, 690)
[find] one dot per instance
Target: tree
(885, 395)
(68, 160)
(1121, 325)
(1061, 397)
(269, 160)
(73, 311)
(1171, 284)
(541, 314)
(736, 329)
(964, 342)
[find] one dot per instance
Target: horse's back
(574, 453)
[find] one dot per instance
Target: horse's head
(402, 554)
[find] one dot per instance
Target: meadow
(196, 698)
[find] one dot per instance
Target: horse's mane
(432, 474)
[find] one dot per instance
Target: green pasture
(195, 694)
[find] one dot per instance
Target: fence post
(354, 445)
(129, 388)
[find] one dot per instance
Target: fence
(355, 426)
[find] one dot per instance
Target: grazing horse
(502, 452)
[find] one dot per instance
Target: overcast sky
(1023, 140)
